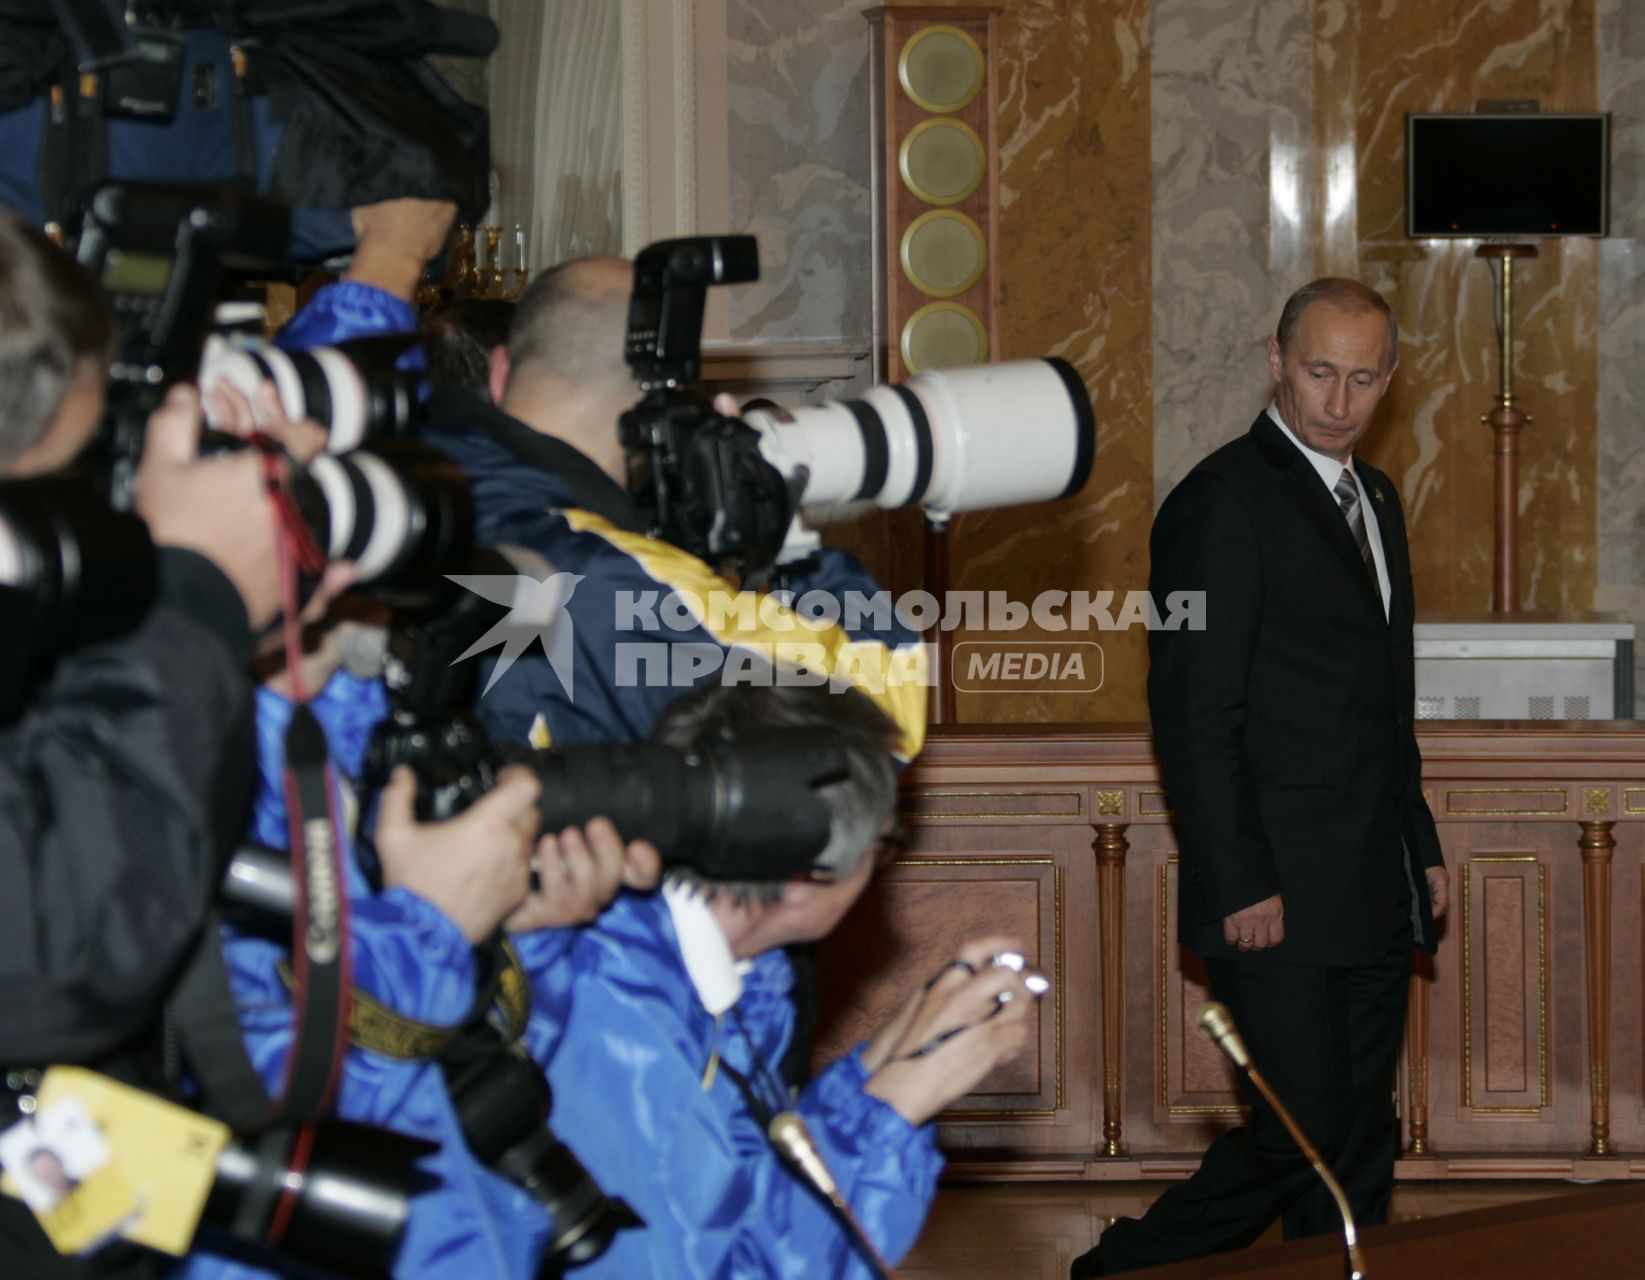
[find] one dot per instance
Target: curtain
(557, 127)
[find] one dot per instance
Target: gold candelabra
(476, 268)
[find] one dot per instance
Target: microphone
(1218, 1026)
(793, 1140)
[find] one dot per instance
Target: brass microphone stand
(1219, 1028)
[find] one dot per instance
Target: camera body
(159, 253)
(698, 475)
(730, 490)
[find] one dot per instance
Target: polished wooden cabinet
(1525, 1045)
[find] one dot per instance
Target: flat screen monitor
(1527, 174)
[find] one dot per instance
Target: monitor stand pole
(1506, 420)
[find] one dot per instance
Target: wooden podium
(1597, 1233)
(1525, 1046)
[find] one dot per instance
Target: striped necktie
(1347, 495)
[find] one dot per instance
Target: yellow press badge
(147, 1164)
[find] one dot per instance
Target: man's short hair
(563, 330)
(858, 805)
(458, 339)
(55, 326)
(1343, 293)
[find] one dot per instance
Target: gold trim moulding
(1163, 887)
(1058, 1009)
(985, 1117)
(1451, 793)
(1633, 800)
(1078, 798)
(1597, 800)
(1162, 890)
(1143, 811)
(1544, 1089)
(1062, 984)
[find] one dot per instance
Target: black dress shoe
(1086, 1266)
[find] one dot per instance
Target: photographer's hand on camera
(217, 507)
(969, 1019)
(580, 872)
(475, 867)
(232, 411)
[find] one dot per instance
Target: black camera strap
(321, 956)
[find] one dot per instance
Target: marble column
(1620, 33)
(1233, 222)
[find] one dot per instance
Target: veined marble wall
(1171, 169)
(1404, 57)
(798, 96)
(1621, 420)
(1235, 177)
(1075, 232)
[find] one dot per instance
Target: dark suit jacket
(1284, 728)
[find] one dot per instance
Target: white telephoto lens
(390, 516)
(347, 428)
(950, 440)
(245, 366)
(342, 511)
(1006, 434)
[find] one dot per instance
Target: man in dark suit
(1309, 862)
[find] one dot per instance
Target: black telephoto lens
(746, 808)
(503, 1103)
(72, 571)
(334, 1196)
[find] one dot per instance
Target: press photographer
(414, 939)
(550, 474)
(668, 1016)
(452, 882)
(684, 505)
(123, 775)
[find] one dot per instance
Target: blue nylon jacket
(406, 955)
(621, 606)
(628, 1047)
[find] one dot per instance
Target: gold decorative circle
(941, 68)
(943, 253)
(943, 335)
(942, 161)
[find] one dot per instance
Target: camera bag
(323, 104)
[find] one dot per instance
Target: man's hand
(474, 867)
(397, 239)
(579, 873)
(215, 506)
(232, 411)
(965, 1000)
(1257, 927)
(1439, 890)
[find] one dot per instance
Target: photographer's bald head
(562, 372)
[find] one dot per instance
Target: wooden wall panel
(1523, 1054)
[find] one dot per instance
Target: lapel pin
(1377, 494)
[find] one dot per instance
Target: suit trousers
(1327, 1041)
